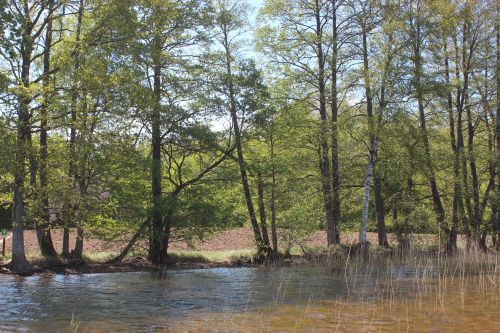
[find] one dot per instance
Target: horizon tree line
(177, 118)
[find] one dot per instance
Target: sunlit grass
(214, 256)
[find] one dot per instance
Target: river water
(362, 298)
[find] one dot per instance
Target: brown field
(235, 239)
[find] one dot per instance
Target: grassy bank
(336, 256)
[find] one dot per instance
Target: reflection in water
(312, 299)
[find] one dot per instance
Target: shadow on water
(387, 296)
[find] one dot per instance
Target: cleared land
(229, 240)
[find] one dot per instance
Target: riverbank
(231, 248)
(337, 256)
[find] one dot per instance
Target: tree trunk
(457, 195)
(373, 147)
(131, 243)
(419, 91)
(336, 213)
(78, 251)
(496, 223)
(69, 209)
(366, 201)
(261, 246)
(273, 201)
(262, 210)
(464, 105)
(326, 179)
(157, 237)
(464, 205)
(85, 143)
(43, 227)
(65, 240)
(168, 227)
(380, 211)
(19, 264)
(475, 181)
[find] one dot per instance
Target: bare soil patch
(235, 239)
(229, 240)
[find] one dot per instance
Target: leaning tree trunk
(436, 198)
(262, 247)
(419, 91)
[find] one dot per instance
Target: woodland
(175, 119)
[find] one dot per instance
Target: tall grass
(415, 291)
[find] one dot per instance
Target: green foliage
(100, 95)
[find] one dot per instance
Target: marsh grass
(390, 292)
(214, 256)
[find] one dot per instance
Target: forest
(176, 119)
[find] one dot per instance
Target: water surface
(312, 299)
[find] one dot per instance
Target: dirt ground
(235, 239)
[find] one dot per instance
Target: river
(357, 298)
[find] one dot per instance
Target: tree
(299, 43)
(25, 23)
(242, 88)
(417, 29)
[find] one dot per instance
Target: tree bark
(43, 227)
(69, 209)
(326, 179)
(372, 137)
(465, 209)
(457, 195)
(366, 200)
(464, 105)
(274, 232)
(336, 212)
(496, 224)
(131, 243)
(262, 209)
(379, 205)
(19, 264)
(157, 250)
(380, 211)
